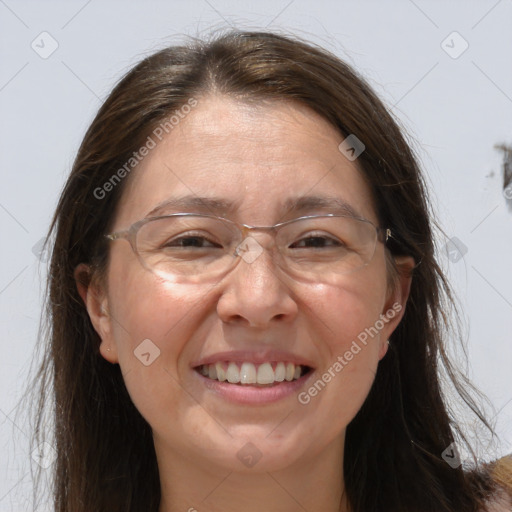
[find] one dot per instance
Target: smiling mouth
(246, 373)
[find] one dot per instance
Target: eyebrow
(219, 206)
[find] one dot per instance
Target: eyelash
(302, 239)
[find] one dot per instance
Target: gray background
(456, 106)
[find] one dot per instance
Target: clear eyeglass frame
(242, 232)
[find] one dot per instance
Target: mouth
(245, 373)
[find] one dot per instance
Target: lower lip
(248, 394)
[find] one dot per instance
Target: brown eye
(317, 241)
(191, 241)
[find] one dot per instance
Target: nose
(256, 292)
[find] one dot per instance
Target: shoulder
(501, 473)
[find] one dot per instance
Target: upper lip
(253, 356)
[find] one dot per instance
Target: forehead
(255, 161)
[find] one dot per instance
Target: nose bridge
(257, 240)
(251, 250)
(255, 289)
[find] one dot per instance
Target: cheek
(152, 322)
(348, 318)
(348, 309)
(145, 307)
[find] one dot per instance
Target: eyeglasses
(195, 248)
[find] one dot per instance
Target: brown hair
(105, 455)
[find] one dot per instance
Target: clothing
(501, 472)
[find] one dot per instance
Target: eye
(190, 240)
(318, 241)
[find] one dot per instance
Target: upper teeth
(249, 373)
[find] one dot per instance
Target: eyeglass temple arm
(117, 236)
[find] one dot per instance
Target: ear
(398, 294)
(96, 302)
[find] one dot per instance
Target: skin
(258, 156)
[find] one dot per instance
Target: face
(256, 157)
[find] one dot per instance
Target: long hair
(105, 455)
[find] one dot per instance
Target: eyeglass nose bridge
(247, 230)
(249, 249)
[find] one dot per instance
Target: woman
(199, 364)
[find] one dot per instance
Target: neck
(196, 486)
